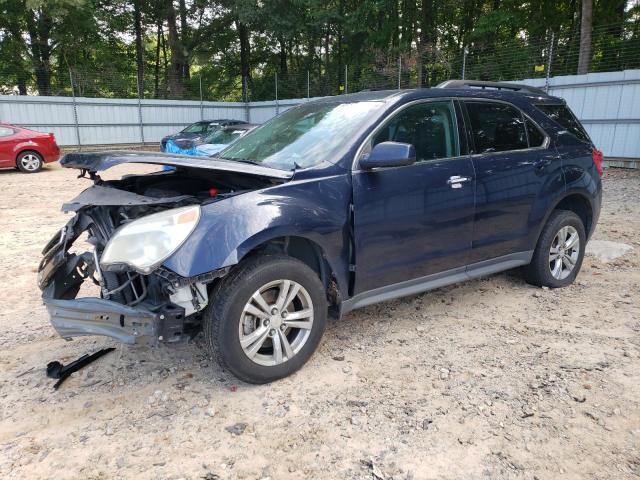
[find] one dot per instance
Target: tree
(175, 76)
(586, 21)
(137, 22)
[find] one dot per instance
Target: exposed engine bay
(135, 304)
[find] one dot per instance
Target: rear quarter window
(565, 117)
(5, 131)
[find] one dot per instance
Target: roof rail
(515, 87)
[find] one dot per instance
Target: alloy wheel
(564, 252)
(276, 322)
(30, 162)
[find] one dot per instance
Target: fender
(550, 193)
(18, 148)
(589, 190)
(315, 209)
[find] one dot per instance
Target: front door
(415, 220)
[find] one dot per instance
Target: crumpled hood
(99, 161)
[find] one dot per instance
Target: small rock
(237, 429)
(338, 358)
(210, 412)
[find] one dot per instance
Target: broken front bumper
(60, 277)
(96, 316)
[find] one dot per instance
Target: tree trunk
(283, 55)
(175, 75)
(584, 58)
(185, 38)
(17, 47)
(245, 67)
(39, 29)
(156, 77)
(137, 25)
(428, 41)
(165, 63)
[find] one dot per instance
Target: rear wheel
(29, 162)
(558, 255)
(266, 318)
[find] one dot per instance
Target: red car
(25, 149)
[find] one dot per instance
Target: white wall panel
(608, 103)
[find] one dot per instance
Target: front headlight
(147, 242)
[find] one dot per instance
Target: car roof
(222, 120)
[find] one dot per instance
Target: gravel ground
(491, 378)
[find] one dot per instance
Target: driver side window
(430, 127)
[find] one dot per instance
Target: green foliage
(46, 43)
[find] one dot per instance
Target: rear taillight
(597, 159)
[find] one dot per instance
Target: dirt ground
(488, 379)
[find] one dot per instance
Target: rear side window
(536, 137)
(496, 127)
(564, 116)
(5, 132)
(198, 127)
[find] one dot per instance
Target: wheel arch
(575, 201)
(301, 248)
(580, 205)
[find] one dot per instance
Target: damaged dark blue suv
(332, 205)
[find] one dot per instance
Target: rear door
(513, 163)
(415, 220)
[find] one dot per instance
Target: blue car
(212, 144)
(332, 205)
(194, 134)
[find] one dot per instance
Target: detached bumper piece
(62, 372)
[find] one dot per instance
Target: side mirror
(389, 154)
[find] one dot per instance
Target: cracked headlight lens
(145, 243)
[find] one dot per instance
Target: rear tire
(559, 253)
(29, 162)
(266, 318)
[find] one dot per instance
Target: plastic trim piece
(437, 280)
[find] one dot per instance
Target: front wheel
(266, 318)
(558, 255)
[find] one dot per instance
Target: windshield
(223, 136)
(199, 127)
(303, 136)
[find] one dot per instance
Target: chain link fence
(613, 48)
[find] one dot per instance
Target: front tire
(559, 253)
(266, 318)
(29, 162)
